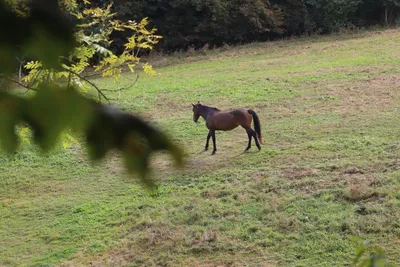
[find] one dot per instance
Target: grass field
(329, 169)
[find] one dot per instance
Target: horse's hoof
(259, 148)
(205, 149)
(213, 153)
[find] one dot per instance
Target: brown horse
(217, 120)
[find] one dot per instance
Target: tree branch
(19, 83)
(91, 83)
(123, 88)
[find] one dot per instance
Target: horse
(217, 120)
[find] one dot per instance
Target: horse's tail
(257, 125)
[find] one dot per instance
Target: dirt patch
(138, 249)
(374, 94)
(258, 177)
(361, 193)
(165, 246)
(352, 170)
(299, 173)
(333, 46)
(357, 179)
(392, 166)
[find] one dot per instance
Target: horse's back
(230, 119)
(239, 111)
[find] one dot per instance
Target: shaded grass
(329, 169)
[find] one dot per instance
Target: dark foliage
(45, 33)
(186, 23)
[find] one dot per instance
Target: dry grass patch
(298, 173)
(376, 94)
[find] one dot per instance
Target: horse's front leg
(208, 140)
(214, 143)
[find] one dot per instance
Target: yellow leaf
(67, 140)
(131, 67)
(148, 69)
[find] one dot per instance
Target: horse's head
(196, 111)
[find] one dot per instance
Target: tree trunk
(386, 15)
(21, 66)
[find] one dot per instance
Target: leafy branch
(92, 35)
(59, 53)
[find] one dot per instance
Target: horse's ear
(198, 102)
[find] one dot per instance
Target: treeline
(186, 23)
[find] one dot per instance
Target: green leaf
(102, 50)
(9, 115)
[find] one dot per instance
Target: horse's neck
(207, 111)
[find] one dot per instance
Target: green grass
(329, 169)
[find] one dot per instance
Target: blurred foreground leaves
(369, 255)
(44, 32)
(53, 110)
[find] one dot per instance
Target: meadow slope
(329, 169)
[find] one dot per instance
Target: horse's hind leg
(214, 143)
(252, 133)
(249, 135)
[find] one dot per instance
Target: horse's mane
(208, 108)
(213, 108)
